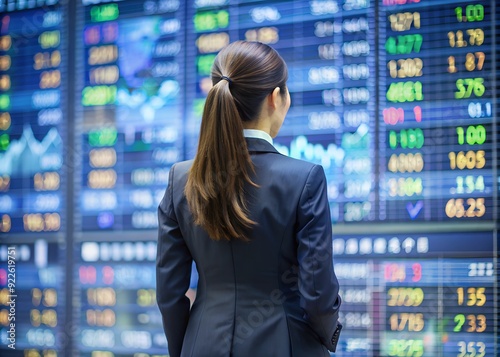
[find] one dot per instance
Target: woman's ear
(274, 99)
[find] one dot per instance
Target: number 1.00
(473, 135)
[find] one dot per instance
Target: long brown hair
(243, 75)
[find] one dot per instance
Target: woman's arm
(318, 285)
(173, 273)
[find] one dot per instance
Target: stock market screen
(32, 299)
(437, 156)
(31, 118)
(131, 108)
(396, 99)
(33, 67)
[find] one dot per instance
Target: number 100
(472, 135)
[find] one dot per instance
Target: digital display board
(32, 99)
(131, 110)
(436, 111)
(380, 98)
(118, 299)
(33, 68)
(417, 294)
(396, 99)
(331, 61)
(32, 299)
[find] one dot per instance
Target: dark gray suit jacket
(274, 296)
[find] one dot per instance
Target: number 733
(475, 323)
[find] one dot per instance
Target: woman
(256, 223)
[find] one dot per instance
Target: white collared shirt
(258, 134)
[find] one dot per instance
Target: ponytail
(243, 75)
(215, 186)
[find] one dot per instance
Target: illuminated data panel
(439, 308)
(208, 30)
(118, 311)
(332, 84)
(32, 72)
(132, 100)
(436, 111)
(381, 98)
(32, 299)
(416, 295)
(496, 27)
(329, 51)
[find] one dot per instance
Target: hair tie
(226, 78)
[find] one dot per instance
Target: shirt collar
(258, 134)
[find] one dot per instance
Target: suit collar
(260, 145)
(258, 134)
